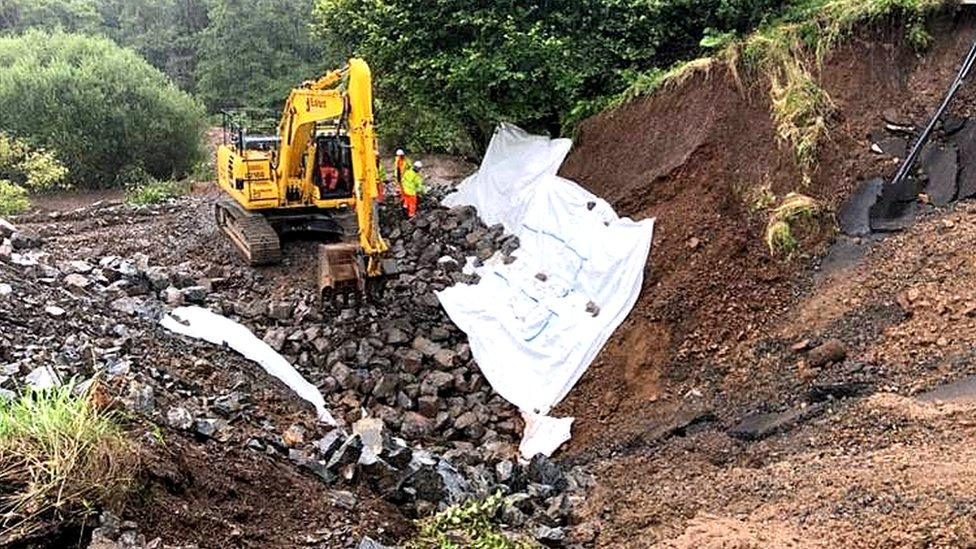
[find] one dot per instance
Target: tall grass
(788, 54)
(779, 229)
(61, 459)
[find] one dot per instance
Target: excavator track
(250, 232)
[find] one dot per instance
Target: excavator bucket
(341, 275)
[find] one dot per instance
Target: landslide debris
(81, 294)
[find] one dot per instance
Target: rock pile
(399, 359)
(539, 495)
(421, 426)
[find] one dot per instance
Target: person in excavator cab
(412, 185)
(329, 176)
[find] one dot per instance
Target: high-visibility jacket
(413, 183)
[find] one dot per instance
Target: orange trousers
(410, 203)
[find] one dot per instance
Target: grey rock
(345, 376)
(548, 534)
(127, 305)
(426, 346)
(24, 241)
(275, 337)
(331, 442)
(429, 406)
(543, 470)
(387, 386)
(43, 377)
(347, 454)
(231, 403)
(141, 398)
(436, 382)
(445, 358)
(441, 484)
(370, 431)
(504, 470)
(281, 310)
(208, 427)
(395, 336)
(173, 296)
(195, 294)
(158, 278)
(77, 281)
(369, 543)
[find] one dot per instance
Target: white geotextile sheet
(534, 338)
(204, 324)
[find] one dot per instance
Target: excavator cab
(333, 173)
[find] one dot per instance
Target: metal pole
(923, 139)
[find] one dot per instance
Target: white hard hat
(400, 152)
(417, 165)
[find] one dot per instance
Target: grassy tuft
(469, 525)
(779, 239)
(13, 198)
(779, 229)
(61, 459)
(652, 81)
(789, 52)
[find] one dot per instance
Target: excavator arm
(345, 95)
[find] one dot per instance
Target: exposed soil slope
(693, 158)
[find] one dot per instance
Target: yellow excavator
(317, 176)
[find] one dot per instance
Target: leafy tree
(471, 66)
(165, 32)
(69, 15)
(254, 51)
(101, 107)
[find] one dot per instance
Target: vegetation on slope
(787, 53)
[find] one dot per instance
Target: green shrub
(471, 525)
(101, 107)
(13, 198)
(61, 459)
(24, 170)
(36, 170)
